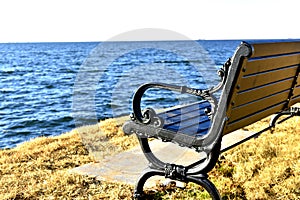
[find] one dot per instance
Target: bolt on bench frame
(260, 79)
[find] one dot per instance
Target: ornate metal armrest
(149, 115)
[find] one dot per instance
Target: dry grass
(39, 169)
(263, 168)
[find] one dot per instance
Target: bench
(261, 79)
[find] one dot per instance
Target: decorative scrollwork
(149, 116)
(175, 172)
(295, 110)
(196, 92)
(223, 72)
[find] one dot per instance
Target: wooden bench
(260, 79)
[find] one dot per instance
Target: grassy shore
(264, 168)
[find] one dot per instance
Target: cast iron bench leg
(207, 184)
(201, 179)
(294, 111)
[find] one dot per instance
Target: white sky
(100, 20)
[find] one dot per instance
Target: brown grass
(267, 167)
(263, 168)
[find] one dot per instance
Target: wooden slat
(253, 118)
(195, 128)
(294, 100)
(189, 119)
(298, 80)
(202, 129)
(171, 118)
(296, 91)
(185, 119)
(248, 109)
(247, 96)
(187, 115)
(261, 65)
(267, 77)
(267, 49)
(191, 125)
(186, 108)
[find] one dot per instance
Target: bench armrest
(148, 115)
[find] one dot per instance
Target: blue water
(49, 88)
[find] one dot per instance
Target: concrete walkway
(127, 166)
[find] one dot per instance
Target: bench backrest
(264, 79)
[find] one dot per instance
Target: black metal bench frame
(225, 113)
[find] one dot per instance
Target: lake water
(49, 88)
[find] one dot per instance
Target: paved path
(127, 166)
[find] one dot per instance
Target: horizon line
(163, 40)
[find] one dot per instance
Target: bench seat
(189, 119)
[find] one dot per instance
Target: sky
(101, 20)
